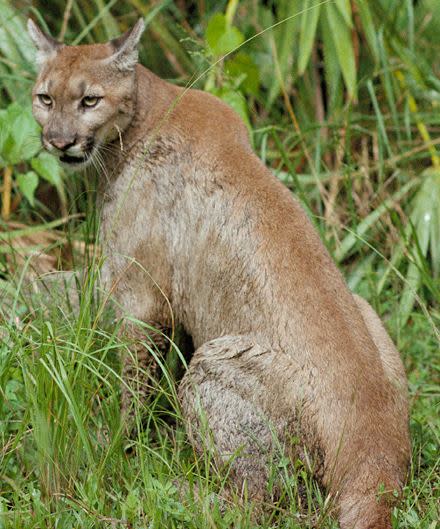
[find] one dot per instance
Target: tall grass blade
(309, 24)
(342, 41)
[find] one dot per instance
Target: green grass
(366, 171)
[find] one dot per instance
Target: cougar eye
(45, 100)
(90, 101)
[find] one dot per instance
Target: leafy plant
(223, 38)
(20, 158)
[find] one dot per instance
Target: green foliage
(221, 37)
(27, 184)
(48, 167)
(309, 24)
(338, 17)
(245, 72)
(425, 228)
(18, 136)
(20, 147)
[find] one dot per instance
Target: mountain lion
(197, 231)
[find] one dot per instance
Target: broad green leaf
(222, 38)
(309, 22)
(27, 184)
(341, 35)
(48, 168)
(243, 64)
(229, 41)
(19, 135)
(25, 133)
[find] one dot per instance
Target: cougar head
(84, 96)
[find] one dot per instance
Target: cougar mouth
(81, 159)
(74, 160)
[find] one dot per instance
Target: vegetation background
(342, 101)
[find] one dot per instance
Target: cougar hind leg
(222, 397)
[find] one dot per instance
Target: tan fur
(197, 231)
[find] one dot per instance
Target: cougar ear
(125, 48)
(46, 46)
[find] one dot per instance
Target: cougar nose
(63, 143)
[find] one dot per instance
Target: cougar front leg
(140, 369)
(146, 315)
